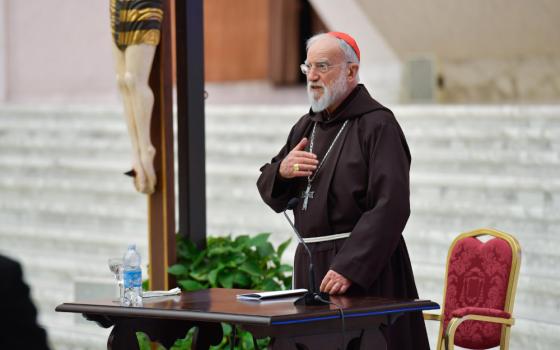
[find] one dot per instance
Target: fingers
(334, 283)
(327, 282)
(328, 286)
(323, 286)
(301, 145)
(339, 288)
(303, 154)
(298, 163)
(303, 164)
(299, 150)
(336, 287)
(301, 173)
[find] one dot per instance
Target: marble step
(90, 337)
(439, 123)
(52, 131)
(77, 168)
(500, 113)
(47, 218)
(75, 242)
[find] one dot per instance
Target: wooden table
(166, 319)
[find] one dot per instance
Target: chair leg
(504, 343)
(440, 342)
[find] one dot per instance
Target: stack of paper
(271, 295)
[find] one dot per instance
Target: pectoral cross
(306, 195)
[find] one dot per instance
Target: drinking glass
(116, 267)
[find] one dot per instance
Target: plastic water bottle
(132, 276)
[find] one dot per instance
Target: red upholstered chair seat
(477, 282)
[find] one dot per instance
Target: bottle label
(132, 278)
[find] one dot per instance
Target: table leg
(207, 334)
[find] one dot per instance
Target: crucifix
(306, 195)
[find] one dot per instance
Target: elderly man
(348, 162)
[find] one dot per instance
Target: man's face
(325, 88)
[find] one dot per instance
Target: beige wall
(468, 29)
(486, 51)
(58, 50)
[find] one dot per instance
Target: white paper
(161, 293)
(271, 295)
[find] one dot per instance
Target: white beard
(329, 96)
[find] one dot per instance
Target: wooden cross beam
(161, 204)
(186, 18)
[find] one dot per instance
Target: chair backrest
(484, 275)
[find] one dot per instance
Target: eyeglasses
(322, 67)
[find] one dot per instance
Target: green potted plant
(242, 262)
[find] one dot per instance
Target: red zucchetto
(348, 39)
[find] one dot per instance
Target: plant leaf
(242, 241)
(226, 279)
(144, 342)
(259, 239)
(178, 270)
(285, 268)
(241, 279)
(226, 329)
(220, 250)
(198, 258)
(199, 275)
(186, 342)
(263, 343)
(251, 268)
(213, 277)
(282, 247)
(265, 249)
(246, 340)
(190, 285)
(270, 284)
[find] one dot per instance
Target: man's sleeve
(274, 190)
(378, 232)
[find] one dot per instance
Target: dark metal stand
(190, 120)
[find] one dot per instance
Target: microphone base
(310, 298)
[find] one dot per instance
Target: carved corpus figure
(136, 28)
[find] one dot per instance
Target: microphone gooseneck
(312, 297)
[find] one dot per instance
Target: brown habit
(362, 188)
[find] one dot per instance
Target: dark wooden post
(190, 120)
(161, 204)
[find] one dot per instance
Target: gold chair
(479, 291)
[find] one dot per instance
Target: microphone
(312, 297)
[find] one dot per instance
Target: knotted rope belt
(326, 238)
